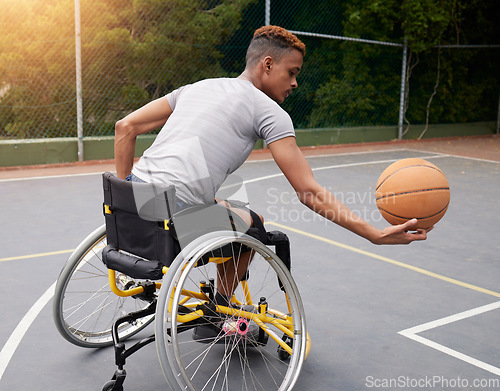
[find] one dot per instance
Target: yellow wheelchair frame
(264, 315)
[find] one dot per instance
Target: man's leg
(230, 273)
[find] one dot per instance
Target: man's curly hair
(272, 41)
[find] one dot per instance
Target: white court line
(342, 166)
(21, 329)
(412, 332)
(16, 337)
(51, 176)
(373, 162)
(436, 154)
(458, 156)
(345, 154)
(247, 162)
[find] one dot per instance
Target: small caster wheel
(282, 353)
(110, 386)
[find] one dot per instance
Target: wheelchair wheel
(84, 307)
(234, 357)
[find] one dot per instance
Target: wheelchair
(140, 268)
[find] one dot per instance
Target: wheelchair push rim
(232, 360)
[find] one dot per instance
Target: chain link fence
(133, 51)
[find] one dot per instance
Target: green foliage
(468, 83)
(363, 87)
(149, 47)
(134, 51)
(35, 94)
(323, 58)
(425, 21)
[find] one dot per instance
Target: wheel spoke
(230, 357)
(84, 306)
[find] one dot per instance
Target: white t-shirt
(211, 132)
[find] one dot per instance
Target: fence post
(498, 117)
(267, 20)
(402, 92)
(78, 59)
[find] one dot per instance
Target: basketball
(412, 188)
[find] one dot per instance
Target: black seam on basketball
(410, 192)
(418, 218)
(402, 168)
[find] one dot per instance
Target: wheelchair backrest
(137, 217)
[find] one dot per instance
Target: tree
(149, 47)
(36, 93)
(366, 86)
(451, 85)
(132, 50)
(323, 58)
(363, 90)
(136, 50)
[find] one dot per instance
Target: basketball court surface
(423, 316)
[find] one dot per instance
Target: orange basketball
(412, 188)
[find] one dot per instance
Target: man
(210, 128)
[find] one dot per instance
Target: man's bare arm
(298, 172)
(147, 118)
